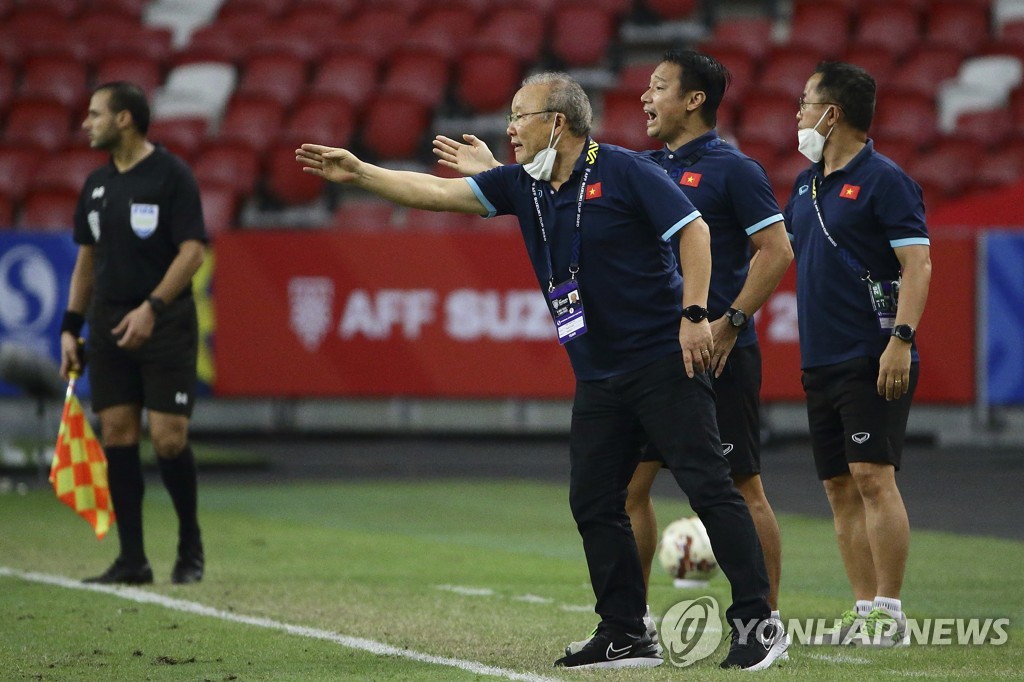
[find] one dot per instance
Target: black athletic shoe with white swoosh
(614, 650)
(758, 648)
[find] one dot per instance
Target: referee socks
(179, 477)
(124, 473)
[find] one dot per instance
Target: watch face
(738, 318)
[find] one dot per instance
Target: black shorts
(849, 421)
(738, 412)
(160, 376)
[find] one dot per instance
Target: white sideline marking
(466, 591)
(380, 649)
(840, 658)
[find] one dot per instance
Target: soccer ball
(685, 553)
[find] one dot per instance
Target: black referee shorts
(160, 376)
(849, 421)
(738, 412)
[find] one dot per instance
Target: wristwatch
(695, 313)
(904, 332)
(737, 318)
(157, 304)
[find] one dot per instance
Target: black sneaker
(758, 648)
(614, 650)
(188, 568)
(124, 572)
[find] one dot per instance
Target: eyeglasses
(803, 104)
(516, 118)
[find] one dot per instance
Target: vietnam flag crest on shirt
(690, 179)
(594, 191)
(850, 192)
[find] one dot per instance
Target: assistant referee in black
(139, 227)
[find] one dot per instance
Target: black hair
(852, 88)
(705, 73)
(127, 96)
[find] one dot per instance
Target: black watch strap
(695, 313)
(158, 305)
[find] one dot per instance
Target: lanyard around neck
(574, 256)
(847, 257)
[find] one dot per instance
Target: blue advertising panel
(35, 273)
(1004, 313)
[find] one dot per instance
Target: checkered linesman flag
(79, 469)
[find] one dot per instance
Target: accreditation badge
(144, 219)
(567, 309)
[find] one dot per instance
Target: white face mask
(544, 162)
(812, 143)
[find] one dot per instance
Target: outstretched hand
(469, 159)
(330, 163)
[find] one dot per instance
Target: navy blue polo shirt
(870, 207)
(732, 193)
(629, 280)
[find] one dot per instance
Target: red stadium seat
(181, 136)
(131, 7)
(487, 80)
(581, 34)
(375, 31)
(905, 116)
(1012, 31)
(276, 76)
(100, 25)
(924, 70)
(17, 168)
(70, 169)
(58, 78)
(43, 123)
(7, 80)
(772, 121)
(6, 212)
(232, 9)
(419, 77)
(393, 126)
(363, 215)
(451, 25)
(902, 152)
(942, 174)
(49, 210)
(985, 128)
(881, 64)
(1000, 167)
(635, 78)
(284, 179)
(742, 69)
(959, 26)
(822, 29)
(786, 72)
(891, 27)
(220, 209)
(763, 152)
(142, 42)
(514, 30)
(228, 165)
(623, 122)
(331, 120)
(672, 10)
(752, 35)
(351, 76)
(214, 43)
(65, 9)
(250, 120)
(144, 72)
(785, 169)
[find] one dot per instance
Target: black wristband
(72, 323)
(158, 305)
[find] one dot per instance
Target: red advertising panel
(445, 314)
(459, 314)
(946, 339)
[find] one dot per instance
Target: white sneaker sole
(621, 663)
